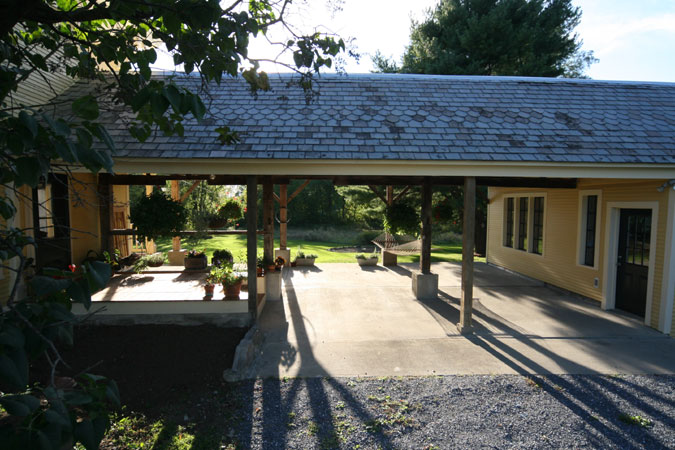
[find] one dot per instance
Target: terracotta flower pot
(259, 271)
(232, 291)
(208, 291)
(195, 263)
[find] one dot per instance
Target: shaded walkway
(339, 320)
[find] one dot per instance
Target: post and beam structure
(268, 219)
(283, 216)
(105, 207)
(252, 242)
(468, 241)
(425, 256)
(175, 196)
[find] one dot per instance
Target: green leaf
(173, 95)
(79, 293)
(53, 416)
(99, 274)
(86, 107)
(159, 104)
(112, 393)
(7, 208)
(28, 171)
(20, 405)
(198, 108)
(84, 137)
(30, 122)
(84, 433)
(12, 337)
(46, 285)
(11, 372)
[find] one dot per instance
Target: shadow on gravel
(573, 397)
(277, 409)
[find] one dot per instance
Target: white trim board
(612, 213)
(668, 288)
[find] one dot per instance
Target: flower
(72, 267)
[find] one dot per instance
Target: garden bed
(354, 249)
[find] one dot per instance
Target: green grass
(237, 245)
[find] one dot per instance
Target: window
(522, 222)
(538, 226)
(589, 215)
(510, 212)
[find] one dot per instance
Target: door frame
(613, 213)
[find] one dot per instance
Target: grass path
(237, 245)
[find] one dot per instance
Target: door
(51, 223)
(635, 226)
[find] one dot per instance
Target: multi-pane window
(637, 245)
(522, 222)
(591, 215)
(538, 226)
(510, 217)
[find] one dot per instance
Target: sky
(633, 39)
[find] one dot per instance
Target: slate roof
(418, 117)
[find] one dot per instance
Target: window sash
(510, 216)
(590, 232)
(538, 226)
(522, 222)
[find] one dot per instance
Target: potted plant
(279, 263)
(155, 260)
(221, 256)
(367, 260)
(305, 259)
(209, 286)
(195, 260)
(260, 265)
(232, 282)
(269, 264)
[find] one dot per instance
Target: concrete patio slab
(342, 320)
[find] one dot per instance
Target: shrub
(222, 255)
(402, 218)
(157, 216)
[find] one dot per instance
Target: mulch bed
(153, 365)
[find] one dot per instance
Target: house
(581, 173)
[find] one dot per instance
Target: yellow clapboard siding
(559, 263)
(84, 216)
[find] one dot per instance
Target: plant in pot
(210, 285)
(222, 256)
(195, 260)
(259, 266)
(230, 280)
(305, 259)
(269, 264)
(229, 212)
(157, 216)
(367, 260)
(279, 263)
(155, 260)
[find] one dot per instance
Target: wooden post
(425, 257)
(268, 219)
(150, 246)
(283, 216)
(466, 302)
(105, 207)
(390, 195)
(175, 196)
(252, 242)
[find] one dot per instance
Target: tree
(495, 37)
(113, 44)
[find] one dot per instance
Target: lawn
(237, 245)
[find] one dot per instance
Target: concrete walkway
(341, 320)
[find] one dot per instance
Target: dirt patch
(354, 249)
(154, 365)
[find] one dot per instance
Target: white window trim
(612, 250)
(668, 283)
(530, 221)
(505, 221)
(581, 229)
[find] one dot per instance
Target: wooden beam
(276, 197)
(268, 219)
(189, 191)
(468, 238)
(563, 183)
(402, 193)
(376, 192)
(154, 180)
(425, 256)
(252, 244)
(298, 190)
(283, 216)
(390, 195)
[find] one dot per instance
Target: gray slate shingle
(417, 117)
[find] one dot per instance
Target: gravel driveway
(504, 411)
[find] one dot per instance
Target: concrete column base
(425, 285)
(176, 257)
(389, 259)
(285, 253)
(273, 285)
(464, 329)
